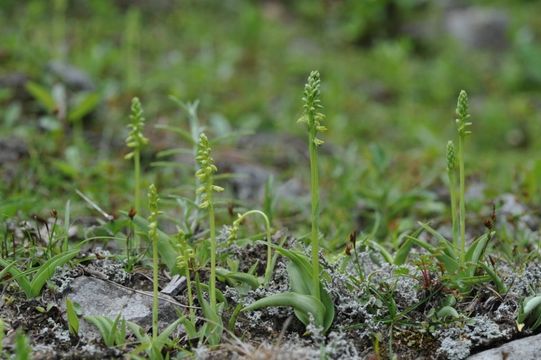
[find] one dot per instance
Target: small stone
(522, 349)
(101, 298)
(71, 76)
(478, 27)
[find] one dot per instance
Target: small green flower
(136, 139)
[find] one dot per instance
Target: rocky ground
(363, 323)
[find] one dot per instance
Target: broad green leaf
(19, 277)
(299, 282)
(475, 252)
(213, 327)
(42, 95)
(299, 279)
(379, 248)
(329, 308)
(73, 319)
(166, 333)
(85, 106)
(530, 304)
(104, 326)
(48, 268)
(500, 286)
(189, 327)
(245, 278)
(219, 294)
(6, 269)
(303, 303)
(448, 311)
(139, 332)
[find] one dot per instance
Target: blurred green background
(391, 72)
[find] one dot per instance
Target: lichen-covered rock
(522, 349)
(99, 297)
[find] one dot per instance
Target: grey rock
(522, 349)
(71, 76)
(249, 181)
(16, 82)
(12, 150)
(478, 27)
(99, 297)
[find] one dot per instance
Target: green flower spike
(136, 140)
(312, 106)
(451, 156)
(462, 114)
(205, 175)
(153, 201)
(205, 172)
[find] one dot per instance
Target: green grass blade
(18, 276)
(379, 248)
(48, 268)
(500, 286)
(104, 326)
(166, 333)
(73, 319)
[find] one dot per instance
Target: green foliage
(136, 140)
(462, 129)
(233, 235)
(185, 261)
(302, 296)
(2, 329)
(213, 327)
(313, 118)
(451, 172)
(42, 95)
(205, 174)
(32, 285)
(23, 351)
(166, 248)
(73, 319)
(461, 269)
(152, 346)
(153, 200)
(113, 332)
(530, 312)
